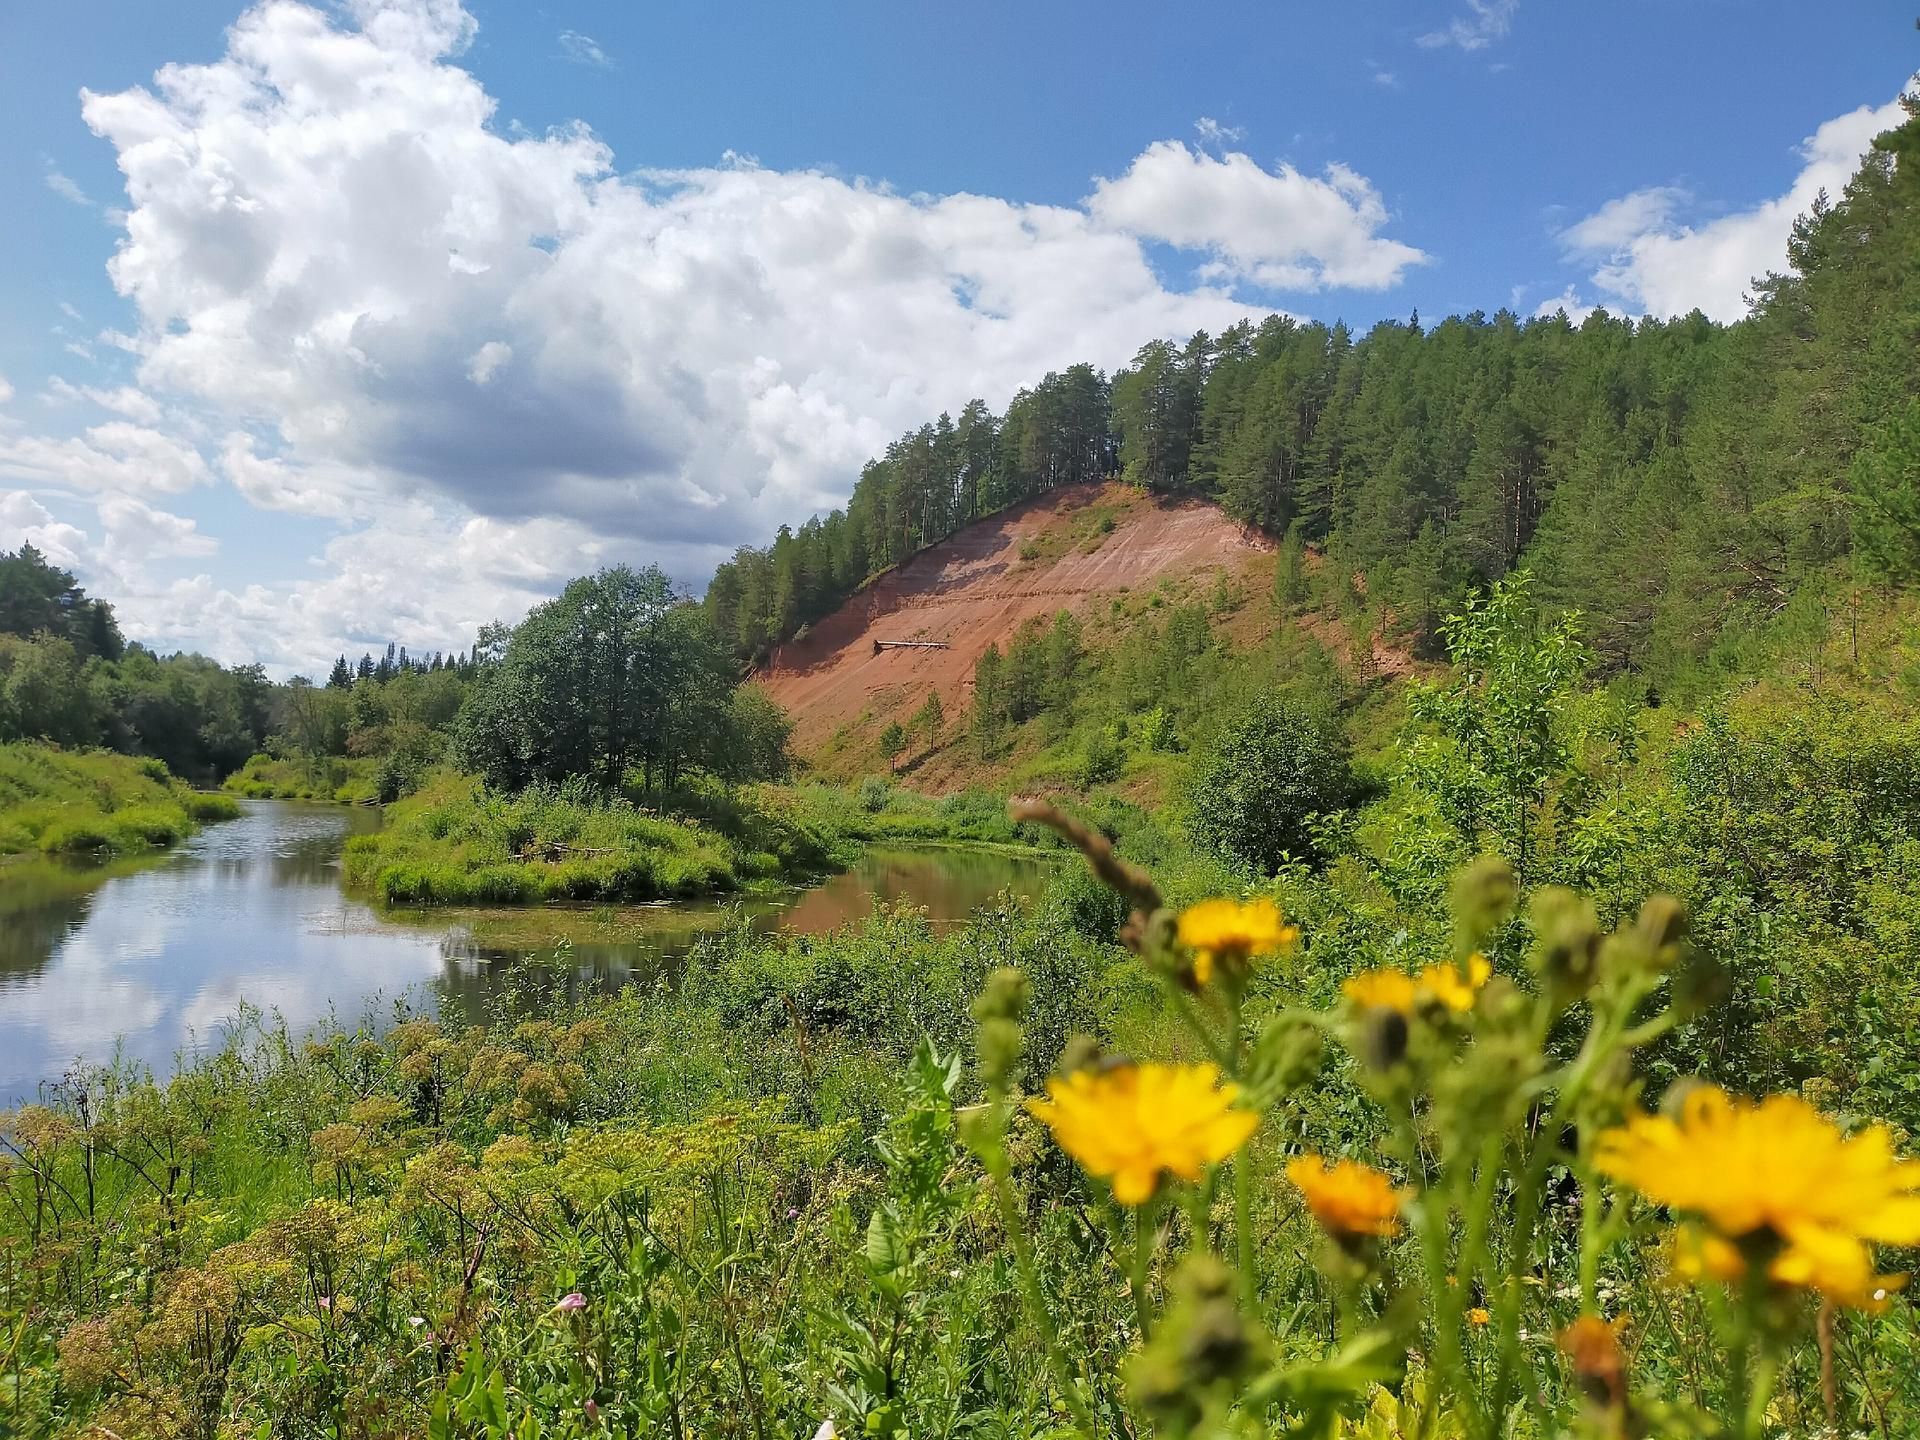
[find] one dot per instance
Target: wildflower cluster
(1498, 1200)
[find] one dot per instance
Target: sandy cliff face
(977, 588)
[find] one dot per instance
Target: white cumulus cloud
(1653, 262)
(117, 456)
(408, 318)
(487, 361)
(1277, 228)
(122, 400)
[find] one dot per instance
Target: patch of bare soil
(1070, 550)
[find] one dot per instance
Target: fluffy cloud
(125, 400)
(6, 390)
(418, 576)
(1276, 228)
(135, 532)
(1651, 262)
(24, 518)
(405, 318)
(1568, 303)
(118, 456)
(329, 241)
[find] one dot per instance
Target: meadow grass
(456, 843)
(59, 802)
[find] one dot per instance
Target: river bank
(153, 960)
(60, 802)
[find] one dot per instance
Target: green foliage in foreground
(741, 1208)
(59, 802)
(457, 843)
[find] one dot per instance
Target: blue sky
(380, 360)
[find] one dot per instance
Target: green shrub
(1271, 770)
(77, 836)
(206, 805)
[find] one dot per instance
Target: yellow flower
(1779, 1184)
(1479, 1316)
(1130, 1123)
(1381, 989)
(1395, 990)
(1452, 989)
(1228, 933)
(1346, 1197)
(1838, 1267)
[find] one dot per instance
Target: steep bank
(1073, 549)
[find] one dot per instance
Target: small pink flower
(792, 1214)
(593, 1411)
(326, 1302)
(570, 1303)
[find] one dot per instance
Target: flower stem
(1146, 1228)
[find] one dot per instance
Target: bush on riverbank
(62, 802)
(334, 778)
(456, 843)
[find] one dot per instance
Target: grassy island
(457, 843)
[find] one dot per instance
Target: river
(153, 959)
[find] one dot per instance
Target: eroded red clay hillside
(1069, 550)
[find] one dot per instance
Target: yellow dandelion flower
(1382, 989)
(1838, 1267)
(1453, 989)
(1395, 990)
(1346, 1197)
(1778, 1183)
(1131, 1123)
(1229, 934)
(1479, 1315)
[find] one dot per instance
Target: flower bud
(1003, 997)
(1483, 897)
(998, 1045)
(1383, 1037)
(1203, 1344)
(1566, 941)
(1662, 921)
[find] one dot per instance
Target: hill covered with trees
(1678, 480)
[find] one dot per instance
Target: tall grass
(59, 802)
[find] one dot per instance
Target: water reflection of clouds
(164, 960)
(250, 917)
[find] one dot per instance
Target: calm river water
(151, 959)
